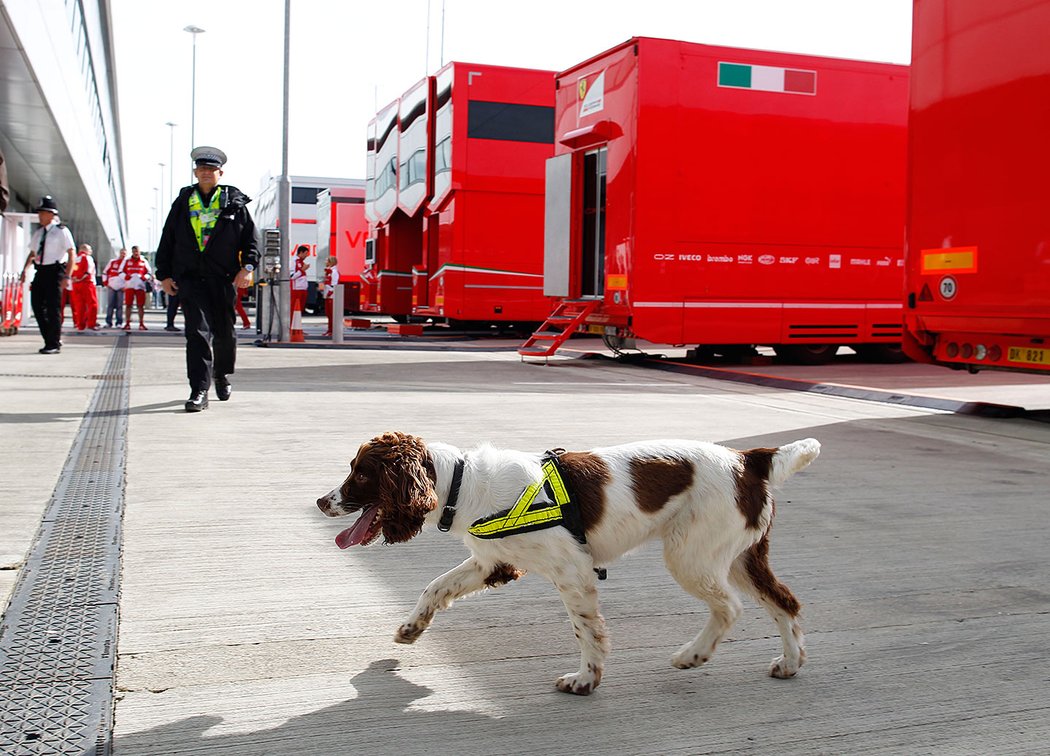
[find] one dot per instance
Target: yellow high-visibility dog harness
(543, 504)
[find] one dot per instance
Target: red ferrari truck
(978, 227)
(717, 196)
(394, 244)
(482, 255)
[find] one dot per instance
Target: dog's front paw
(409, 632)
(580, 683)
(687, 658)
(784, 668)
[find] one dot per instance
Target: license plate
(1028, 355)
(597, 329)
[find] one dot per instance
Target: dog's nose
(323, 504)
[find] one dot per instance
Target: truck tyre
(885, 353)
(806, 354)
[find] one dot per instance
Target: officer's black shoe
(223, 389)
(198, 401)
(50, 350)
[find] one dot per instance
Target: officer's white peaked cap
(212, 156)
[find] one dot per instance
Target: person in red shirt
(137, 278)
(300, 283)
(331, 280)
(85, 294)
(67, 298)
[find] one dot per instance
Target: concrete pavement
(916, 543)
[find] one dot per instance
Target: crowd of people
(127, 281)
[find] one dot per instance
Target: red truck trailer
(978, 227)
(341, 231)
(482, 254)
(717, 196)
(395, 241)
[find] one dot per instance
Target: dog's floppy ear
(406, 490)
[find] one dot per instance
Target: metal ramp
(566, 319)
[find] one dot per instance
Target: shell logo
(767, 259)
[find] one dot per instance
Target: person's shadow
(378, 721)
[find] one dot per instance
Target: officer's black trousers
(46, 300)
(211, 343)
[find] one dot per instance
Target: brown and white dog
(711, 505)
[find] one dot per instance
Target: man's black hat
(47, 203)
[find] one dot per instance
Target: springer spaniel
(711, 505)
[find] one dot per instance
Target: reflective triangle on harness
(543, 504)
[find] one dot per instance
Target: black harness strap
(572, 519)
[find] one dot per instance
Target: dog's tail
(789, 459)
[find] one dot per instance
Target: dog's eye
(359, 478)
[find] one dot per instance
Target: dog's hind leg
(468, 577)
(708, 582)
(725, 608)
(751, 573)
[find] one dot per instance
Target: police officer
(207, 250)
(51, 251)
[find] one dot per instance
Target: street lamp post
(194, 30)
(161, 205)
(284, 198)
(171, 162)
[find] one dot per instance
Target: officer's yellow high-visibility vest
(203, 218)
(546, 503)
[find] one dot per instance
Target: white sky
(350, 57)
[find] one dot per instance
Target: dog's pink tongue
(358, 531)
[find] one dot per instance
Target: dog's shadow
(378, 720)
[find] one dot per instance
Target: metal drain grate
(59, 633)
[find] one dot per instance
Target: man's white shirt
(56, 244)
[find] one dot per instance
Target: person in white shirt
(51, 252)
(113, 280)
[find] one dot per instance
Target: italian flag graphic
(767, 78)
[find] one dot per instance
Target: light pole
(171, 162)
(194, 30)
(284, 196)
(161, 205)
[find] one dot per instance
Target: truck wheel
(806, 354)
(885, 353)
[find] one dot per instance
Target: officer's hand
(169, 286)
(243, 279)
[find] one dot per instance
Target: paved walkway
(916, 542)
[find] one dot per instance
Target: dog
(711, 505)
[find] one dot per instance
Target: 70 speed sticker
(948, 287)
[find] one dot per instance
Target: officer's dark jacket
(234, 241)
